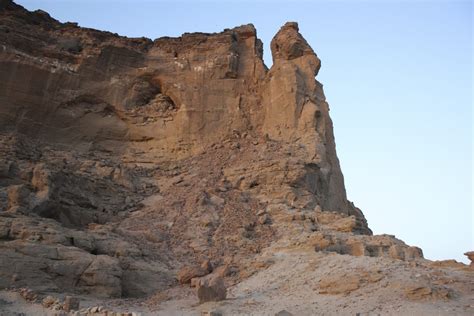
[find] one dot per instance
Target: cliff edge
(129, 164)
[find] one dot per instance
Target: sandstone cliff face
(296, 111)
(124, 158)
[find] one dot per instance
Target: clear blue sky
(398, 78)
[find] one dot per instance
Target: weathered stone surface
(122, 159)
(295, 109)
(338, 284)
(103, 276)
(186, 274)
(421, 293)
(211, 288)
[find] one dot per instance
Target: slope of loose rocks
(125, 161)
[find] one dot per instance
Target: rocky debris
(211, 313)
(28, 294)
(470, 256)
(100, 311)
(51, 303)
(186, 274)
(339, 222)
(283, 313)
(419, 292)
(339, 285)
(345, 283)
(71, 306)
(211, 288)
(373, 246)
(448, 263)
(207, 265)
(124, 158)
(223, 270)
(264, 219)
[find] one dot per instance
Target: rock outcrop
(123, 160)
(470, 256)
(211, 288)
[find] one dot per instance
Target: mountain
(132, 167)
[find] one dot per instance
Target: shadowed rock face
(124, 158)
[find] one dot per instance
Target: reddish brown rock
(186, 274)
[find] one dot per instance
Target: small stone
(265, 219)
(56, 307)
(48, 301)
(283, 313)
(207, 265)
(217, 200)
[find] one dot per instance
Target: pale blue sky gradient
(398, 78)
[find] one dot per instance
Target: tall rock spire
(296, 111)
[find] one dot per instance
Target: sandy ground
(292, 283)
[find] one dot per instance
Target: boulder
(187, 273)
(211, 288)
(103, 277)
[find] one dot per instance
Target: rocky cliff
(125, 159)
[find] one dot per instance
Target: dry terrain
(181, 176)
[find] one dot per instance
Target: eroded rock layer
(124, 159)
